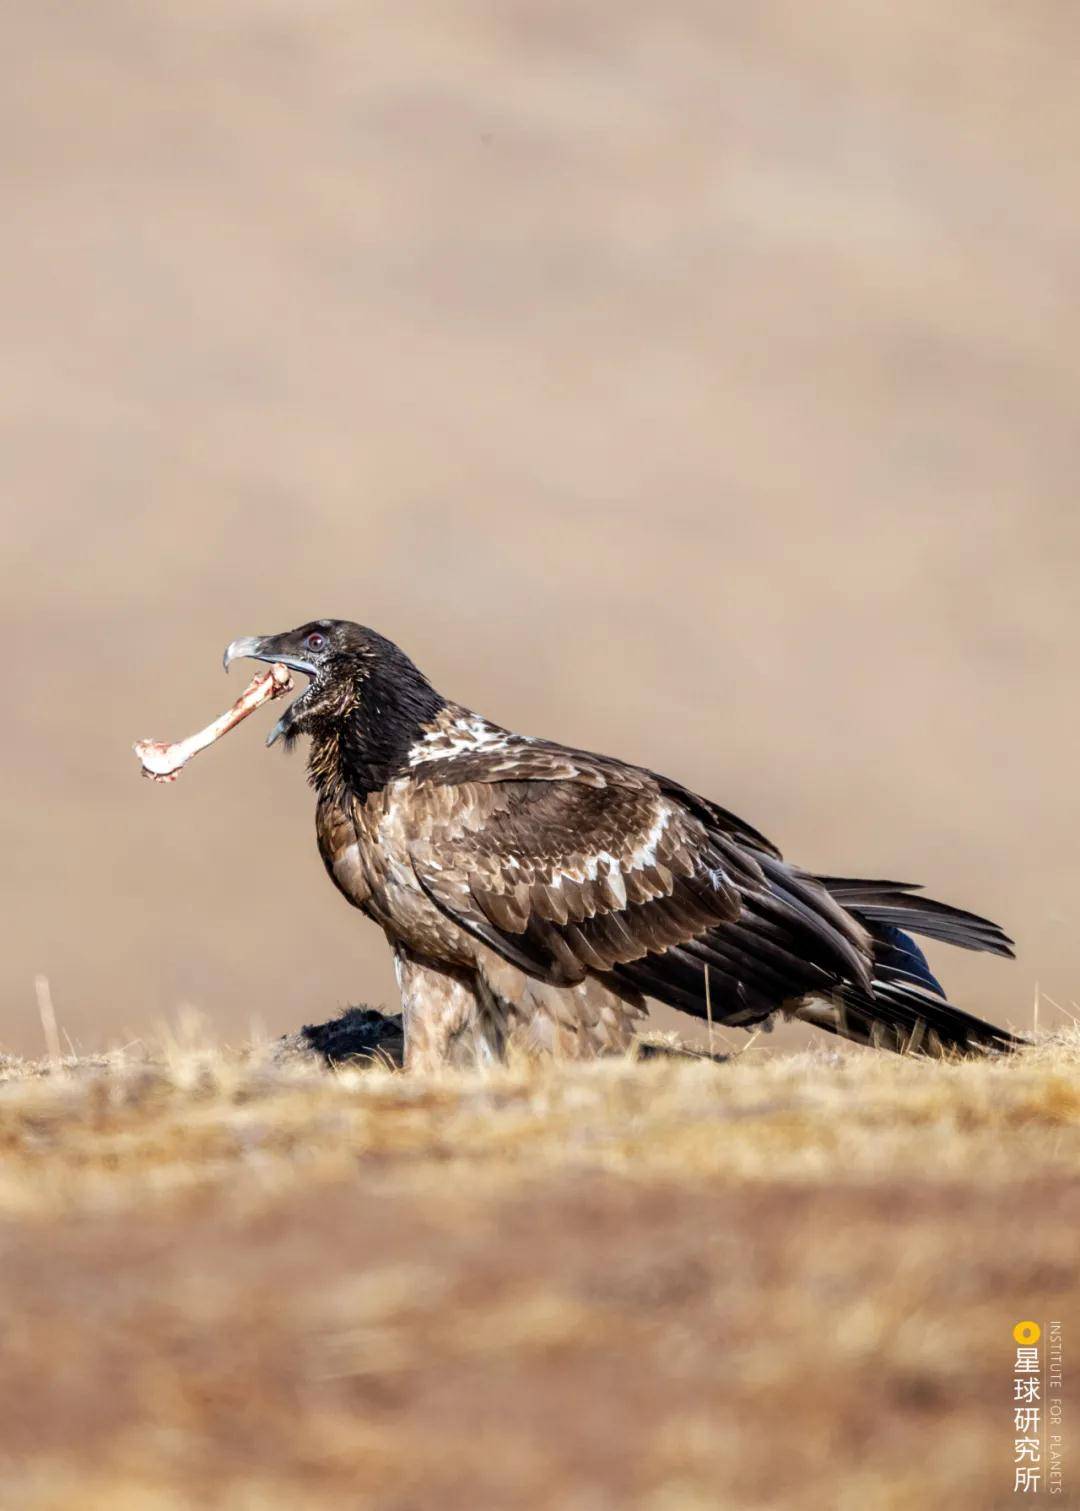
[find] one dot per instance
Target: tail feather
(905, 1009)
(831, 951)
(893, 902)
(902, 1015)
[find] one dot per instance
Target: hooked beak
(237, 650)
(265, 648)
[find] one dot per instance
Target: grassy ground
(783, 1282)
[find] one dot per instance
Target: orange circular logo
(1027, 1332)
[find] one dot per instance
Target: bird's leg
(439, 1014)
(163, 762)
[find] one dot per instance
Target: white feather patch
(645, 854)
(470, 732)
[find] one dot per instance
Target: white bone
(163, 762)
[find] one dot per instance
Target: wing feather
(568, 864)
(573, 876)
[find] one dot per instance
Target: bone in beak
(162, 762)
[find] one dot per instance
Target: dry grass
(779, 1282)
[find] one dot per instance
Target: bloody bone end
(163, 762)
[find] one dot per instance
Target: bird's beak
(266, 648)
(247, 647)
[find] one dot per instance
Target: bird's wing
(569, 864)
(566, 867)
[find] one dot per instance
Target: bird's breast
(366, 849)
(343, 855)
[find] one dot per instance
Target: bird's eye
(315, 641)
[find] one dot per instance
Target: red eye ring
(315, 641)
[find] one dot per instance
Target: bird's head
(331, 652)
(364, 692)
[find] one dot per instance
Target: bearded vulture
(536, 895)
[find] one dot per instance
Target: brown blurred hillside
(698, 383)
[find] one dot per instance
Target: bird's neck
(367, 748)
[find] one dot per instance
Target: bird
(536, 897)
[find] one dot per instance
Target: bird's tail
(899, 903)
(906, 1008)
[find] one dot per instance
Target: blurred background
(698, 383)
